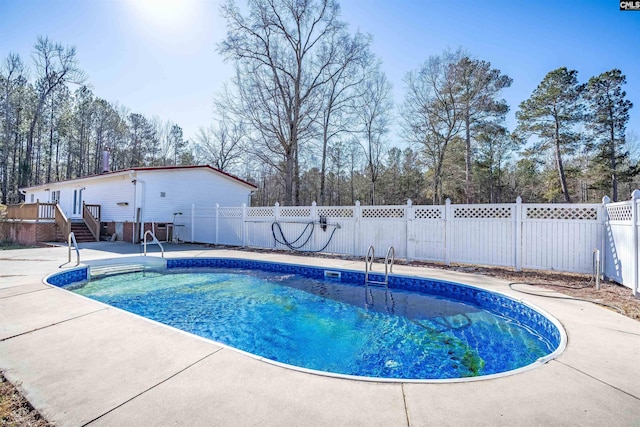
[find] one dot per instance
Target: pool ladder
(72, 239)
(154, 240)
(388, 268)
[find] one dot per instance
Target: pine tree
(551, 114)
(607, 118)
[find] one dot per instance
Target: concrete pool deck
(80, 362)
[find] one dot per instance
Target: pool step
(103, 270)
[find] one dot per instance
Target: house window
(55, 196)
(32, 198)
(163, 194)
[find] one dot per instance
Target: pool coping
(114, 369)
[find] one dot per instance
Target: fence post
(357, 214)
(244, 225)
(276, 218)
(634, 233)
(604, 248)
(518, 218)
(313, 217)
(217, 215)
(447, 231)
(408, 228)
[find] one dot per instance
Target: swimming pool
(301, 316)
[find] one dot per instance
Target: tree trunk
(288, 178)
(614, 174)
(25, 167)
(323, 165)
(467, 158)
(50, 154)
(296, 179)
(563, 179)
(4, 161)
(17, 152)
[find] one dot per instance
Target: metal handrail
(388, 268)
(388, 265)
(155, 240)
(368, 263)
(389, 262)
(72, 238)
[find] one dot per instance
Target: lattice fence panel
(428, 213)
(568, 213)
(619, 212)
(260, 212)
(482, 212)
(295, 212)
(230, 212)
(382, 212)
(334, 212)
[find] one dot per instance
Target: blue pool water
(326, 325)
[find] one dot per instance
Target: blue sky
(158, 57)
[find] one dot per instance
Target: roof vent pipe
(105, 160)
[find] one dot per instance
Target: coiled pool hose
(293, 245)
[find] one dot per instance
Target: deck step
(81, 232)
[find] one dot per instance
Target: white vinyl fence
(620, 242)
(560, 237)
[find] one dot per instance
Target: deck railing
(51, 211)
(31, 211)
(94, 209)
(93, 222)
(63, 223)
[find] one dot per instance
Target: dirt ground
(15, 411)
(611, 295)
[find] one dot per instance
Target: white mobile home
(130, 201)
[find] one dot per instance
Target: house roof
(150, 168)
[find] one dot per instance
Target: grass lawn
(6, 245)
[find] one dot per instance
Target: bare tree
(340, 91)
(13, 79)
(222, 144)
(282, 51)
(373, 111)
(55, 66)
(430, 114)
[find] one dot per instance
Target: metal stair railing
(155, 240)
(72, 239)
(388, 265)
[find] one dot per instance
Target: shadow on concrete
(125, 248)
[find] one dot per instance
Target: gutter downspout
(135, 187)
(143, 189)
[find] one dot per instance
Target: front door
(76, 211)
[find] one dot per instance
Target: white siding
(182, 188)
(106, 192)
(119, 197)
